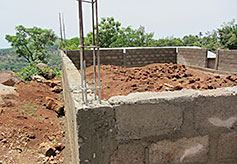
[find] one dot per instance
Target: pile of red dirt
(26, 123)
(156, 78)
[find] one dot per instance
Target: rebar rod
(98, 52)
(81, 49)
(85, 91)
(61, 33)
(94, 55)
(64, 33)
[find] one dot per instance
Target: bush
(33, 69)
(29, 70)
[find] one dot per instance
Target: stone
(9, 82)
(53, 83)
(129, 154)
(38, 78)
(6, 88)
(8, 95)
(55, 105)
(227, 146)
(48, 73)
(47, 149)
(57, 89)
(9, 78)
(185, 150)
(59, 147)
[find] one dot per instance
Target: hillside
(9, 60)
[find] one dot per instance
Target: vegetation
(35, 44)
(112, 34)
(30, 47)
(31, 43)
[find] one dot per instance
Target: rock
(191, 81)
(38, 78)
(53, 83)
(59, 147)
(9, 78)
(47, 72)
(6, 88)
(57, 89)
(8, 95)
(55, 105)
(47, 149)
(178, 87)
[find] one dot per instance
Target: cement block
(96, 134)
(215, 111)
(144, 120)
(227, 146)
(129, 154)
(184, 150)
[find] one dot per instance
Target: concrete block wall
(192, 57)
(176, 127)
(142, 57)
(151, 128)
(128, 57)
(226, 60)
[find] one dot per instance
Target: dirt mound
(27, 123)
(156, 78)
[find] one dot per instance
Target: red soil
(156, 78)
(26, 123)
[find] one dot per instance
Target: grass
(29, 109)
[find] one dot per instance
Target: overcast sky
(163, 17)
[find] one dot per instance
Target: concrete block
(227, 146)
(96, 134)
(215, 111)
(144, 120)
(129, 154)
(191, 150)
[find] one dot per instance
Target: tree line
(113, 34)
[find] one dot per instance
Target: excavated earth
(25, 124)
(156, 78)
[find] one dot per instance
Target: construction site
(155, 105)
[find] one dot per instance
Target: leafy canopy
(31, 43)
(112, 34)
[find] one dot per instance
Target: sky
(166, 18)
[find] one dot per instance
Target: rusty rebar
(98, 51)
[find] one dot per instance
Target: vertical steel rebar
(95, 47)
(81, 48)
(61, 33)
(94, 55)
(64, 33)
(98, 51)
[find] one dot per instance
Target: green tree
(108, 31)
(31, 43)
(210, 41)
(169, 41)
(129, 37)
(228, 35)
(112, 34)
(73, 43)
